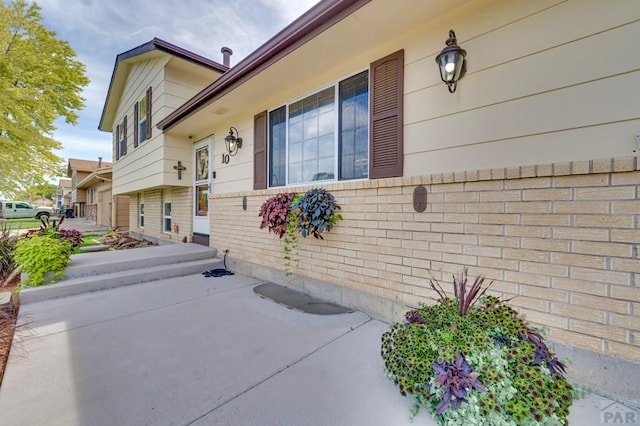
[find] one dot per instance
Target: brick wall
(91, 212)
(562, 238)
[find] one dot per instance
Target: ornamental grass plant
(469, 360)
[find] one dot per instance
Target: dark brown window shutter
(116, 142)
(260, 151)
(124, 135)
(149, 113)
(136, 106)
(385, 128)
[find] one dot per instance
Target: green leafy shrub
(471, 360)
(54, 231)
(7, 246)
(40, 254)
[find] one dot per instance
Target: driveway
(201, 351)
(195, 350)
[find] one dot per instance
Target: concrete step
(100, 263)
(84, 284)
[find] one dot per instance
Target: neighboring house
(63, 196)
(102, 207)
(530, 168)
(154, 171)
(82, 195)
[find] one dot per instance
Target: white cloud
(99, 30)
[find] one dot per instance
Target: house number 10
(225, 158)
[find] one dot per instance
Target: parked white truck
(21, 209)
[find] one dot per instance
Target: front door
(202, 188)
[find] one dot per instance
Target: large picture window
(323, 136)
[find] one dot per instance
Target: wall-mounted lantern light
(232, 142)
(452, 62)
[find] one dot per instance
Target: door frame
(202, 174)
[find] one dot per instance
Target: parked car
(21, 209)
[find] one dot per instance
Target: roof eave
(94, 178)
(163, 46)
(317, 19)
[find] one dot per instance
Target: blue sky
(98, 30)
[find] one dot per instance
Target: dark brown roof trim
(164, 46)
(316, 20)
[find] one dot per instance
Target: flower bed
(470, 360)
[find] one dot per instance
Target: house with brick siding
(154, 171)
(527, 174)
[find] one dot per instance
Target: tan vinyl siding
(150, 164)
(533, 99)
(123, 218)
(181, 199)
(104, 206)
(530, 96)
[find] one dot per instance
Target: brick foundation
(561, 239)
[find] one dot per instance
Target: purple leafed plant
(414, 317)
(457, 379)
(72, 235)
(275, 213)
(543, 355)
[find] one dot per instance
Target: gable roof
(85, 165)
(64, 183)
(316, 20)
(139, 53)
(97, 177)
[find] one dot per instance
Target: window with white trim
(166, 217)
(121, 138)
(142, 119)
(322, 137)
(140, 211)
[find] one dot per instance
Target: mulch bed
(8, 320)
(123, 241)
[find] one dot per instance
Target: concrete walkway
(83, 225)
(204, 351)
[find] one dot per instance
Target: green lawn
(16, 224)
(89, 240)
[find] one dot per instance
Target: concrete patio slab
(205, 351)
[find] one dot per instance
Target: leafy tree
(40, 81)
(38, 190)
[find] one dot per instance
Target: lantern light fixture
(232, 142)
(452, 62)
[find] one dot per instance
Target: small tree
(40, 81)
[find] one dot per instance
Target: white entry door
(202, 186)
